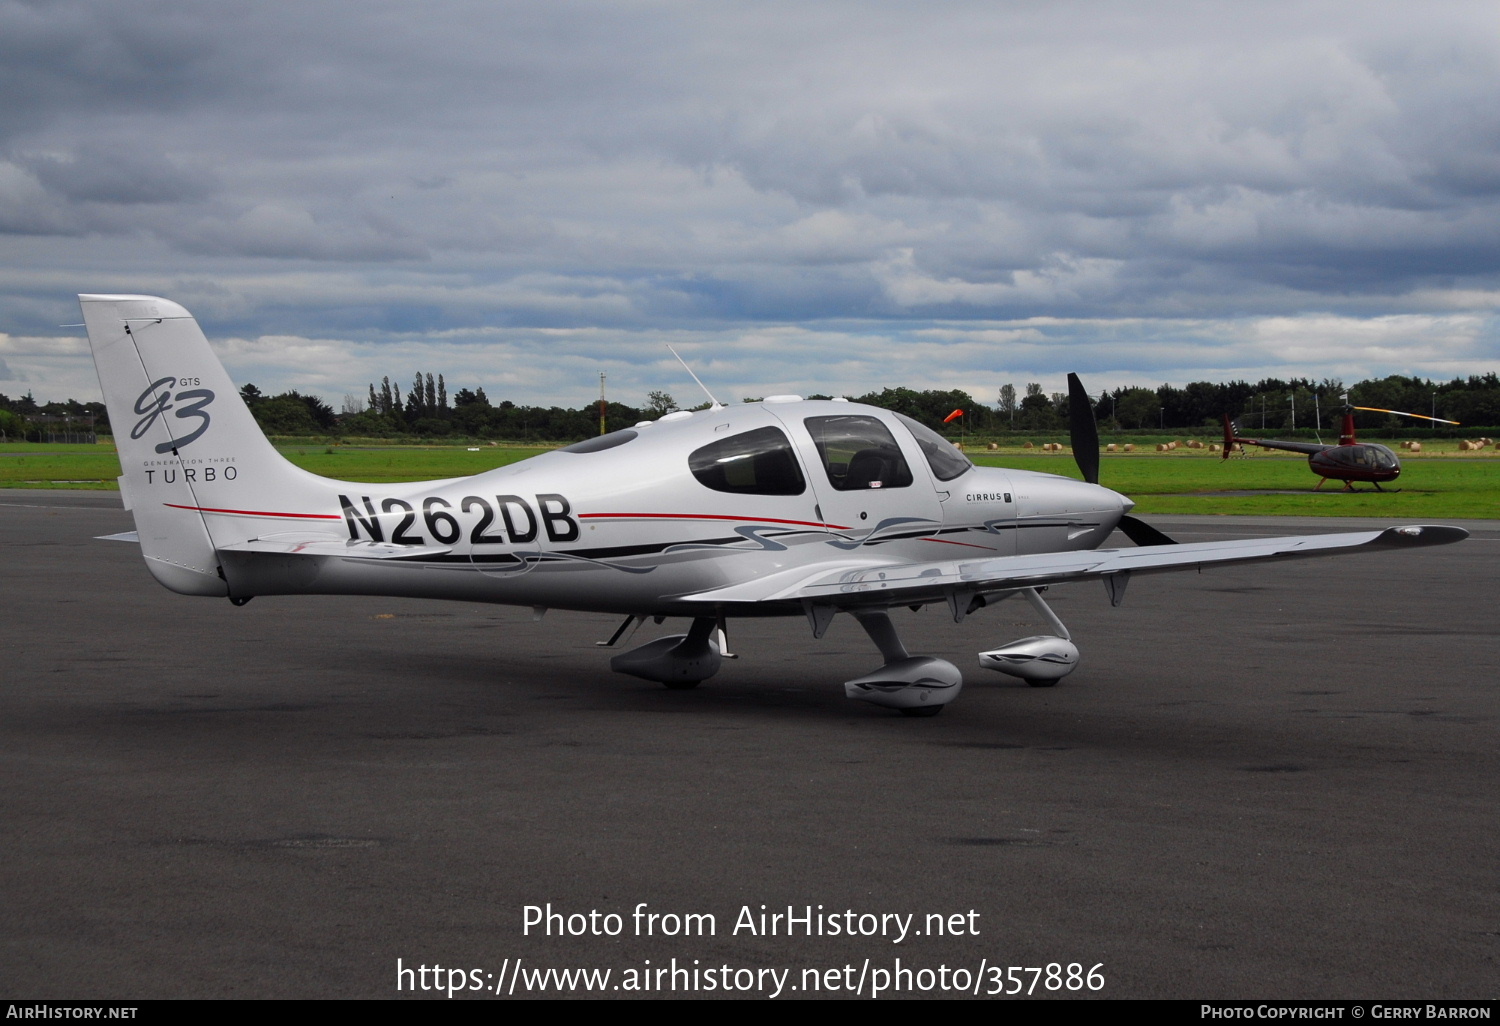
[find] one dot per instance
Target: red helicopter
(1348, 461)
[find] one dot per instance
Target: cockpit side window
(858, 452)
(946, 462)
(759, 462)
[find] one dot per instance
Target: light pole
(1293, 397)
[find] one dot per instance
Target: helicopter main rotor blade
(1083, 433)
(1419, 416)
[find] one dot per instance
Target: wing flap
(898, 583)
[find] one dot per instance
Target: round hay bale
(1130, 447)
(1162, 447)
(993, 446)
(1027, 445)
(1110, 447)
(1415, 447)
(1216, 447)
(1464, 446)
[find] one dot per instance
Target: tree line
(426, 409)
(25, 420)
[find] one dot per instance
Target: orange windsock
(951, 416)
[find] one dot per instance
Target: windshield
(946, 462)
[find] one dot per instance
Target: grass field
(1434, 485)
(1429, 487)
(96, 466)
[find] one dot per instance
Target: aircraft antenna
(601, 403)
(715, 404)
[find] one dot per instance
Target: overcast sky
(801, 197)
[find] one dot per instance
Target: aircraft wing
(906, 583)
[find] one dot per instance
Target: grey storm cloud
(454, 164)
(118, 174)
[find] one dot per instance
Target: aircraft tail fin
(198, 472)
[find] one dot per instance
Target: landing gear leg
(916, 685)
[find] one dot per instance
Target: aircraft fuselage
(692, 502)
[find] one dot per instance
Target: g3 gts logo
(153, 404)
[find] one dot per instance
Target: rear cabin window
(759, 462)
(858, 453)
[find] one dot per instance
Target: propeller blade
(1083, 433)
(1141, 532)
(1419, 416)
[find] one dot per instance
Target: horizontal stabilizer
(125, 536)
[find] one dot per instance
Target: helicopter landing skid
(1349, 487)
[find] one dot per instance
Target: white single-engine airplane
(786, 507)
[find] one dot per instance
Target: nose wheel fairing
(1041, 660)
(910, 683)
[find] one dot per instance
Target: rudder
(196, 468)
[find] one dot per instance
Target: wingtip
(1413, 535)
